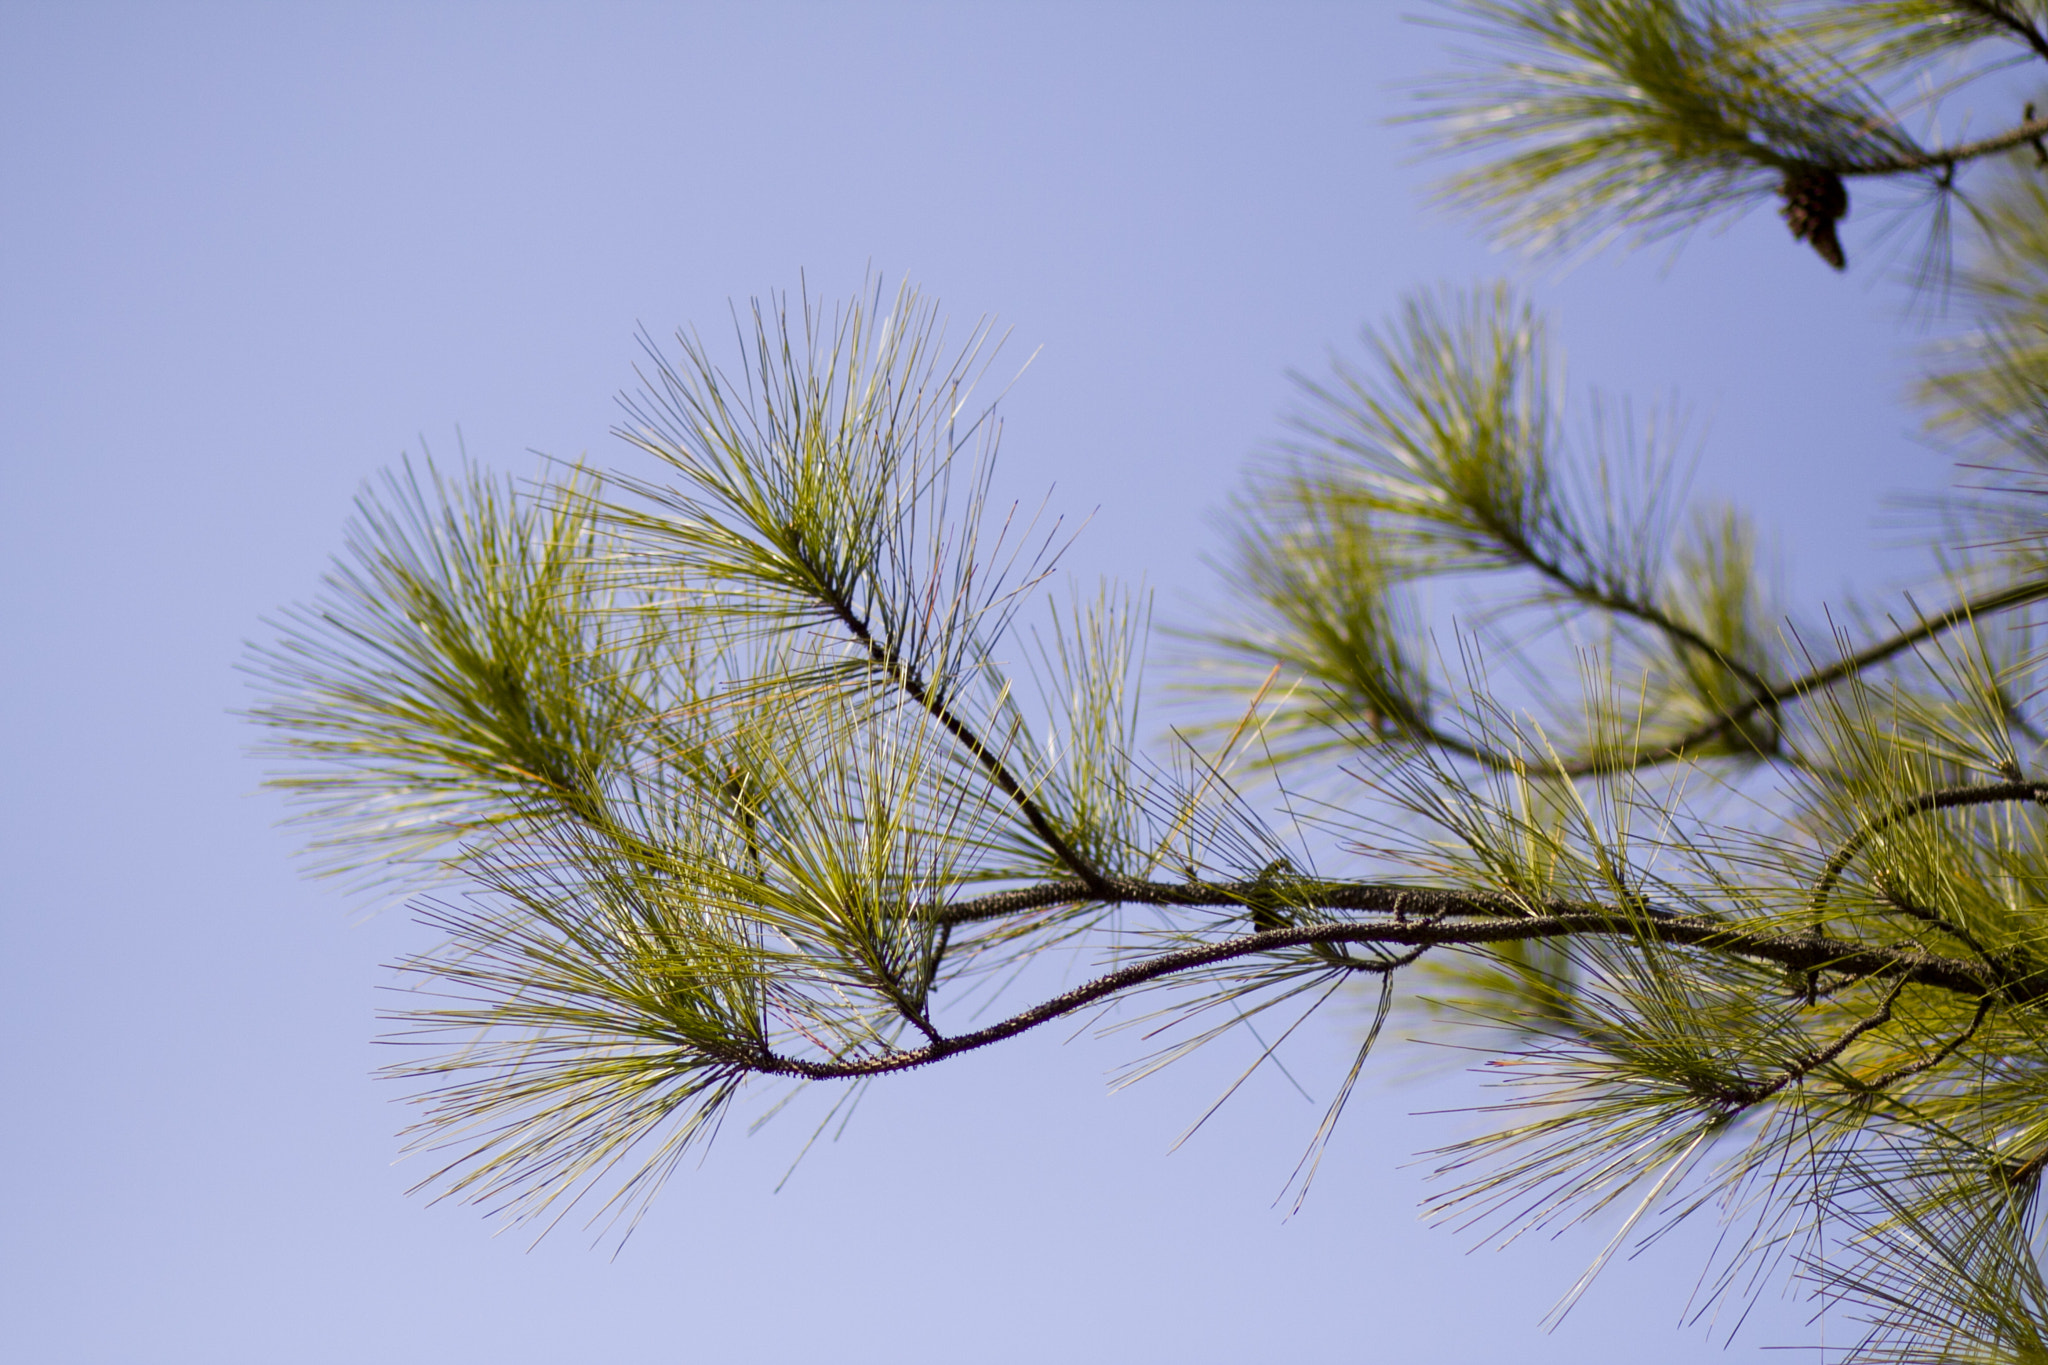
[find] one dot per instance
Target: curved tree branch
(1905, 906)
(1818, 679)
(1948, 799)
(1933, 1059)
(1468, 921)
(1748, 1096)
(1765, 695)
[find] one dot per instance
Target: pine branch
(1900, 903)
(1747, 1097)
(1941, 158)
(1934, 1059)
(2010, 20)
(1622, 604)
(1808, 951)
(1951, 798)
(886, 659)
(1768, 696)
(1815, 680)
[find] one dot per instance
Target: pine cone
(1815, 200)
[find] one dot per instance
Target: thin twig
(1898, 901)
(1816, 679)
(1943, 157)
(1941, 1055)
(1749, 1096)
(886, 658)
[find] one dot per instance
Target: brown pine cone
(1815, 200)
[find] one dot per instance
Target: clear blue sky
(250, 254)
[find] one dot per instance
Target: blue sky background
(250, 254)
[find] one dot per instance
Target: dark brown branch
(1378, 966)
(1768, 696)
(1422, 902)
(917, 1017)
(1682, 634)
(1804, 951)
(1748, 1096)
(1949, 799)
(2018, 595)
(2006, 966)
(1481, 754)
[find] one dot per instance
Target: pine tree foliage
(777, 768)
(1650, 116)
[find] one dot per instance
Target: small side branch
(2011, 20)
(1940, 1055)
(1929, 917)
(1621, 604)
(1685, 636)
(1749, 1096)
(1949, 799)
(886, 660)
(1815, 680)
(1947, 158)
